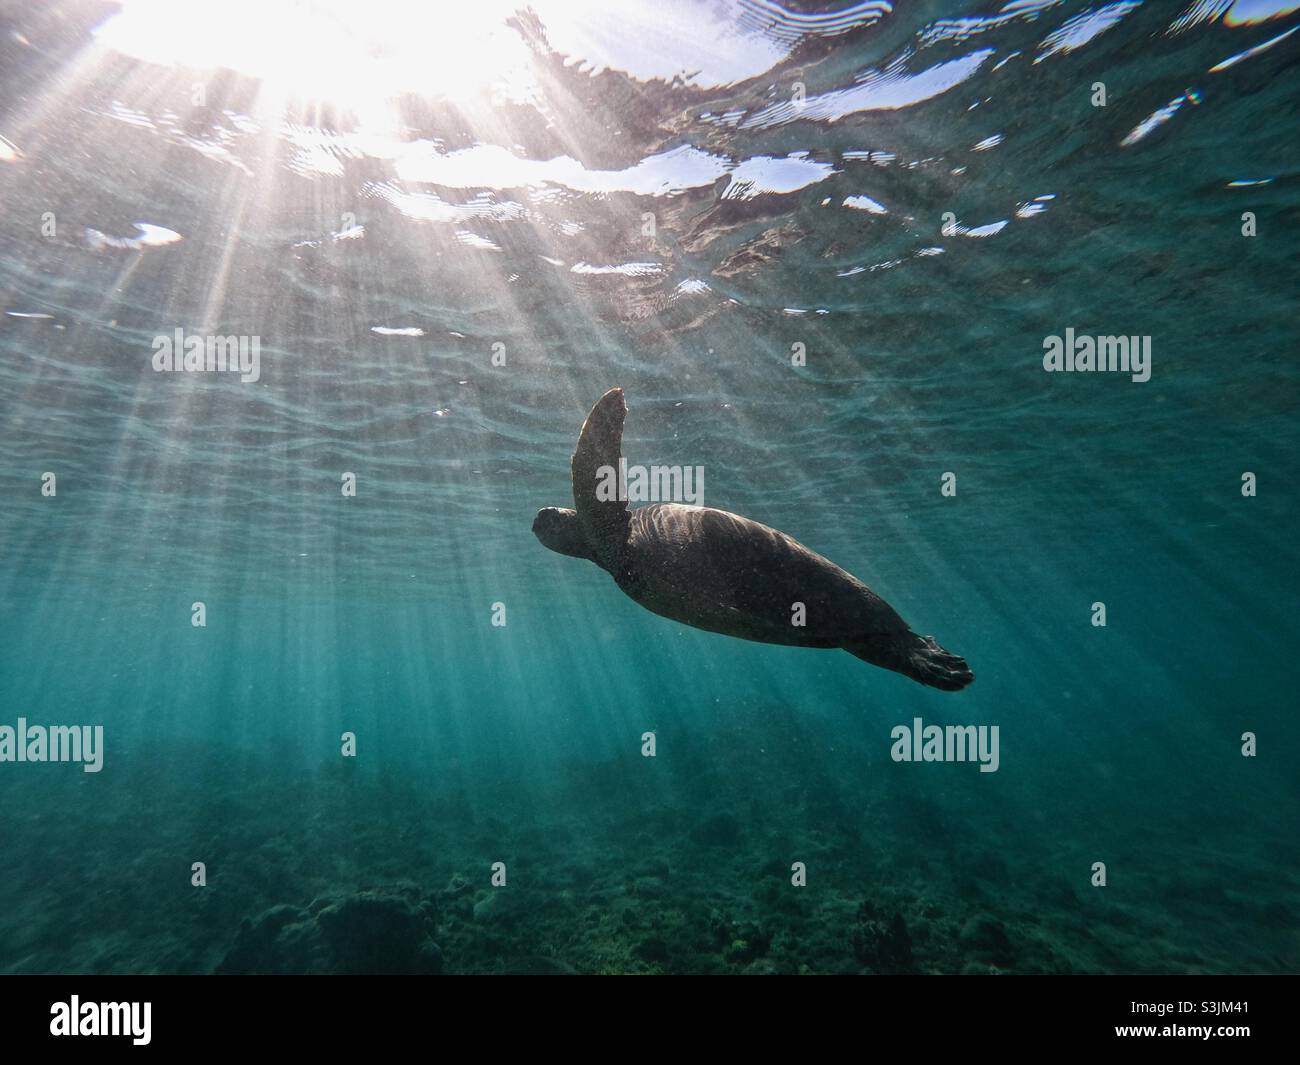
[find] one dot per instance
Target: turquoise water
(450, 235)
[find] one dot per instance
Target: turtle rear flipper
(918, 657)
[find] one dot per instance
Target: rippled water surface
(821, 249)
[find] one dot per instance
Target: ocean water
(821, 249)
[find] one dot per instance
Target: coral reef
(336, 872)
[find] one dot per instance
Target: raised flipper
(600, 444)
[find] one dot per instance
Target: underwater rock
(374, 933)
(984, 935)
(882, 946)
(368, 932)
(428, 959)
(284, 939)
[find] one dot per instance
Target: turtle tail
(918, 657)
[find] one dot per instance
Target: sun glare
(355, 54)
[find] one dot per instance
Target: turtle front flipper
(603, 514)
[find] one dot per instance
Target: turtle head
(561, 531)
